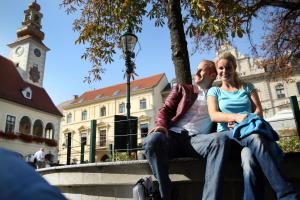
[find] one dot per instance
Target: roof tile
(141, 84)
(12, 84)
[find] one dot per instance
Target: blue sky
(65, 69)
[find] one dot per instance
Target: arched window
(280, 91)
(69, 118)
(103, 111)
(49, 130)
(25, 125)
(38, 128)
(84, 115)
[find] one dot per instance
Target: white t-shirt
(40, 156)
(196, 120)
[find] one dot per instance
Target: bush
(290, 144)
(121, 156)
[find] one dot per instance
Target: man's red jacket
(181, 98)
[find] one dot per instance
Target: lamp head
(128, 42)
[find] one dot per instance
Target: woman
(230, 104)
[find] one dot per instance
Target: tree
(209, 23)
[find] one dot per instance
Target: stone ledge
(94, 179)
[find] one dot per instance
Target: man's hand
(159, 129)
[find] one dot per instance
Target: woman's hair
(228, 56)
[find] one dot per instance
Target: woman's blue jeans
(258, 153)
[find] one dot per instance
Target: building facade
(29, 119)
(102, 105)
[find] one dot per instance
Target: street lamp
(128, 42)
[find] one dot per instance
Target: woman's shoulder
(213, 91)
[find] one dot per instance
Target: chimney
(75, 97)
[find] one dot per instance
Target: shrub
(121, 156)
(290, 144)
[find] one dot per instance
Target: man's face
(204, 74)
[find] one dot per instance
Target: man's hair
(211, 65)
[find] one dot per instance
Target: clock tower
(28, 51)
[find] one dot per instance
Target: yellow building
(29, 119)
(102, 105)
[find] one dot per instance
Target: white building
(273, 93)
(29, 119)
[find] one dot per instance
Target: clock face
(37, 52)
(19, 50)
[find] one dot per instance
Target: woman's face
(225, 70)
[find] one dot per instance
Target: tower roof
(31, 25)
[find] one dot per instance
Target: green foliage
(121, 156)
(290, 144)
(209, 22)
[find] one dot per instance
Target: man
(39, 156)
(182, 130)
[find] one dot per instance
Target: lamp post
(128, 41)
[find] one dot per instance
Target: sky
(64, 68)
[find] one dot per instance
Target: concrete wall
(114, 181)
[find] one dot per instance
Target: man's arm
(168, 110)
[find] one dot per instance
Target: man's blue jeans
(159, 149)
(257, 154)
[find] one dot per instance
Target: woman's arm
(256, 104)
(217, 116)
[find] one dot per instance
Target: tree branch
(290, 5)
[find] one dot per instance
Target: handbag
(144, 190)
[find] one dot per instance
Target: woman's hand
(240, 117)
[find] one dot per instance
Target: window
(69, 118)
(102, 138)
(38, 128)
(10, 124)
(143, 104)
(49, 131)
(84, 115)
(83, 138)
(27, 93)
(98, 96)
(25, 125)
(122, 108)
(298, 87)
(144, 130)
(116, 93)
(103, 111)
(280, 91)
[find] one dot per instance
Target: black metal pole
(69, 149)
(128, 73)
(82, 152)
(93, 141)
(296, 112)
